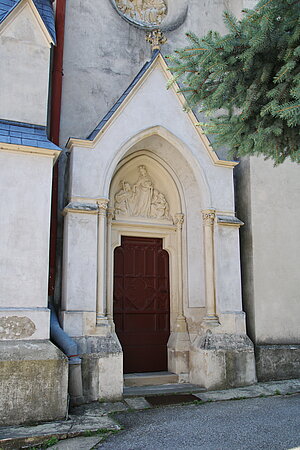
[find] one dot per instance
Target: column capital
(102, 206)
(110, 214)
(179, 220)
(208, 216)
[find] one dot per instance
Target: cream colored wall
(24, 73)
(275, 227)
(79, 273)
(272, 249)
(229, 297)
(24, 244)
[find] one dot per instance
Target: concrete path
(88, 425)
(271, 423)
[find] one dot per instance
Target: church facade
(165, 256)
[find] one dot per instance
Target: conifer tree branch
(248, 73)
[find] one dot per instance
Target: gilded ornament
(149, 12)
(156, 39)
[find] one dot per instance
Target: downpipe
(70, 348)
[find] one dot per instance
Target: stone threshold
(93, 417)
(149, 378)
(161, 389)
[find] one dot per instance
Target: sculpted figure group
(149, 11)
(141, 199)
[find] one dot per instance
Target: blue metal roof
(20, 133)
(123, 96)
(44, 7)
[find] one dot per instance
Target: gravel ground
(260, 423)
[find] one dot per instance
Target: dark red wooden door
(142, 303)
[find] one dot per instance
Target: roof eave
(17, 8)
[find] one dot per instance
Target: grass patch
(49, 443)
(198, 402)
(102, 432)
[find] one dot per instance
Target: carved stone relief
(146, 11)
(141, 199)
(167, 15)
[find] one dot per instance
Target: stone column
(220, 357)
(208, 216)
(180, 321)
(101, 319)
(179, 342)
(109, 275)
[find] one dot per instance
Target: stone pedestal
(33, 382)
(102, 367)
(178, 355)
(220, 361)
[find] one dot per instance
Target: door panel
(142, 303)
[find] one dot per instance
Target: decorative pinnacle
(156, 38)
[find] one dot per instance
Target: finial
(156, 39)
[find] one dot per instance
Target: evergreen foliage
(248, 81)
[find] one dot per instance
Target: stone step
(163, 389)
(149, 378)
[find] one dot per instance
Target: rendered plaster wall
(24, 74)
(229, 298)
(24, 245)
(79, 273)
(271, 248)
(103, 53)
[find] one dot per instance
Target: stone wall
(33, 382)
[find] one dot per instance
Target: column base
(179, 354)
(220, 361)
(33, 382)
(102, 321)
(102, 367)
(83, 323)
(211, 320)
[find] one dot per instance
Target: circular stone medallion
(151, 14)
(143, 12)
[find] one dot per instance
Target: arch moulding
(178, 145)
(164, 218)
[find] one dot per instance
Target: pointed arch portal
(145, 279)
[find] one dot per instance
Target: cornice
(229, 221)
(25, 149)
